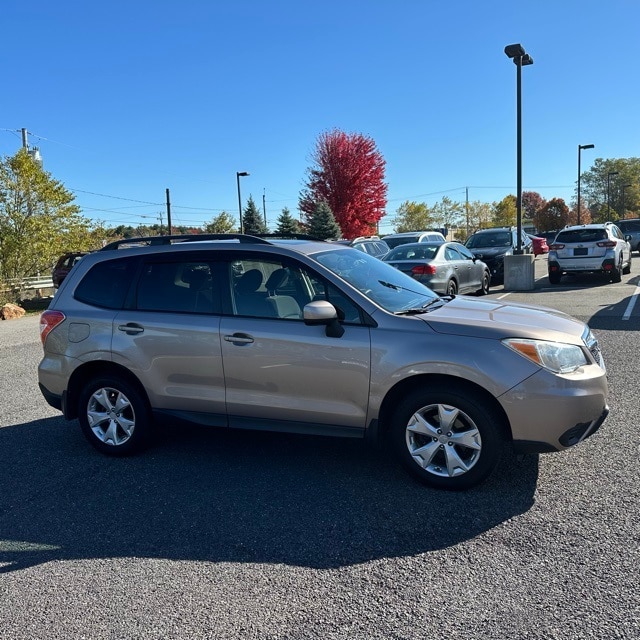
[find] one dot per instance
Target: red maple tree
(349, 175)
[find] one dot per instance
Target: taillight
(609, 244)
(423, 270)
(556, 247)
(49, 320)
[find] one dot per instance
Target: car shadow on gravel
(231, 496)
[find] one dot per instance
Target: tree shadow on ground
(232, 496)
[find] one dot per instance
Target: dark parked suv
(631, 228)
(235, 331)
(492, 245)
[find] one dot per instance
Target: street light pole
(238, 175)
(624, 186)
(520, 58)
(580, 148)
(611, 173)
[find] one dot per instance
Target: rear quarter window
(106, 283)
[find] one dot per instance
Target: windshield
(497, 239)
(385, 285)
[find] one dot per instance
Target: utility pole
(466, 208)
(169, 213)
(264, 207)
(25, 141)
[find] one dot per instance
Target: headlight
(554, 356)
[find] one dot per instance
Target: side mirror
(323, 312)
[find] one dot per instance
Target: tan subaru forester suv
(317, 338)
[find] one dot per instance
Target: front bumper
(569, 438)
(549, 412)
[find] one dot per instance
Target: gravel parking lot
(241, 535)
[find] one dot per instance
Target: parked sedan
(446, 268)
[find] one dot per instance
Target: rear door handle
(239, 338)
(131, 329)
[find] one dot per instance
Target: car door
(458, 265)
(475, 268)
(282, 374)
(169, 336)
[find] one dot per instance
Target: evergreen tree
(252, 219)
(321, 222)
(287, 224)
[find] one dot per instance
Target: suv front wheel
(447, 440)
(114, 416)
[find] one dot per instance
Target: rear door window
(183, 286)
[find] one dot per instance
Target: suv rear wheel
(447, 440)
(114, 416)
(616, 274)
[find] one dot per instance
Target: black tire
(627, 269)
(114, 416)
(452, 288)
(447, 439)
(616, 274)
(486, 284)
(554, 278)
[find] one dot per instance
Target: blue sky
(128, 98)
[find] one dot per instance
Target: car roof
(406, 234)
(593, 225)
(158, 245)
(494, 229)
(421, 244)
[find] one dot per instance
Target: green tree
(321, 223)
(504, 212)
(412, 216)
(447, 213)
(222, 223)
(610, 175)
(252, 219)
(480, 215)
(287, 224)
(38, 219)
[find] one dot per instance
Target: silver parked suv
(589, 248)
(311, 337)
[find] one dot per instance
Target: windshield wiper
(422, 309)
(397, 287)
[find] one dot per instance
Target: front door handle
(239, 338)
(131, 329)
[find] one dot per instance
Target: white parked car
(590, 248)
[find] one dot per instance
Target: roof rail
(149, 241)
(288, 236)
